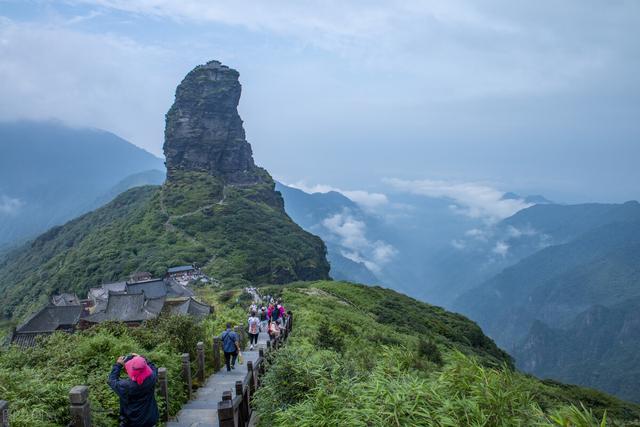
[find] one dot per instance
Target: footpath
(202, 410)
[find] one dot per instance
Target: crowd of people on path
(270, 318)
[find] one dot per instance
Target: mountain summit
(204, 130)
(217, 209)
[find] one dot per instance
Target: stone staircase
(202, 410)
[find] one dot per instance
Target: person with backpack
(263, 319)
(274, 313)
(274, 331)
(230, 346)
(254, 329)
(138, 406)
(281, 313)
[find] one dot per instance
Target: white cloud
(458, 244)
(10, 205)
(478, 233)
(87, 79)
(501, 248)
(351, 235)
(516, 233)
(365, 199)
(471, 199)
(469, 49)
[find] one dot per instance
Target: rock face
(204, 130)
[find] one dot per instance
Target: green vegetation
(37, 380)
(247, 238)
(350, 361)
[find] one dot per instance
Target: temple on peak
(204, 131)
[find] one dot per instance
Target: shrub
(430, 351)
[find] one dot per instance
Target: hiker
(281, 312)
(274, 331)
(231, 347)
(254, 329)
(263, 319)
(138, 405)
(273, 312)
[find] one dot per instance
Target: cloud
(471, 199)
(10, 205)
(87, 79)
(501, 248)
(365, 199)
(458, 244)
(351, 235)
(468, 48)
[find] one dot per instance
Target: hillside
(599, 348)
(216, 209)
(310, 211)
(358, 355)
(368, 356)
(51, 173)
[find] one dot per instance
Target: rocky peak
(204, 130)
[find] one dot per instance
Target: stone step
(191, 424)
(202, 404)
(198, 415)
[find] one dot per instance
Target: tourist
(254, 329)
(274, 331)
(138, 405)
(273, 313)
(281, 312)
(231, 347)
(264, 319)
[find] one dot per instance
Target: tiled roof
(52, 318)
(65, 299)
(155, 288)
(128, 308)
(189, 306)
(180, 269)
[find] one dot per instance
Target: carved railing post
(244, 416)
(217, 361)
(163, 385)
(186, 374)
(200, 355)
(225, 413)
(4, 413)
(80, 409)
(253, 378)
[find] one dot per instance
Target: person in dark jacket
(230, 346)
(138, 407)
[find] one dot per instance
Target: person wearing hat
(138, 405)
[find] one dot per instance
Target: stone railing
(232, 410)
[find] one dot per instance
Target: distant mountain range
(568, 310)
(51, 173)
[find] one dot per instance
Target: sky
(445, 98)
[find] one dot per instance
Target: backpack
(225, 335)
(253, 325)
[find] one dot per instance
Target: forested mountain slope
(217, 209)
(51, 173)
(560, 310)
